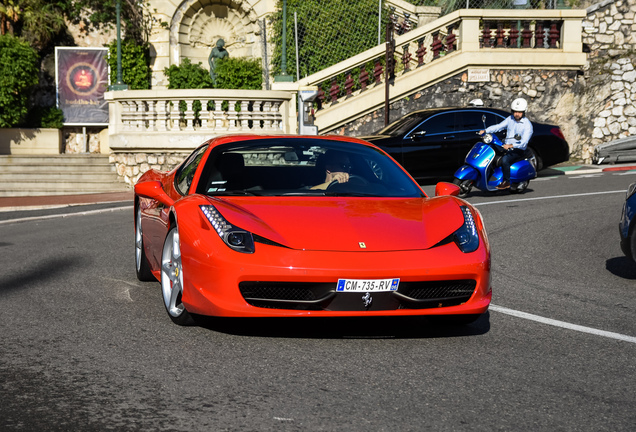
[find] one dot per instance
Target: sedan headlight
(236, 238)
(487, 138)
(467, 237)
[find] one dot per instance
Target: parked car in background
(626, 224)
(433, 143)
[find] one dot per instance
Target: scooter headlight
(467, 237)
(487, 138)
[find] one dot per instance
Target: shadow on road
(353, 328)
(622, 267)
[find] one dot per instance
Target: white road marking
(623, 173)
(549, 197)
(563, 324)
(89, 212)
(586, 176)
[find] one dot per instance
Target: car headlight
(631, 190)
(467, 237)
(487, 138)
(236, 238)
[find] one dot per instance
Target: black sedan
(433, 143)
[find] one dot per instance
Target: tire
(519, 187)
(535, 159)
(172, 279)
(465, 186)
(141, 261)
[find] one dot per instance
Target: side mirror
(445, 188)
(418, 135)
(483, 120)
(153, 190)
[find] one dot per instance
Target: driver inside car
(337, 169)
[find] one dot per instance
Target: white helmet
(519, 104)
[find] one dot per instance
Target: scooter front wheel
(519, 187)
(465, 186)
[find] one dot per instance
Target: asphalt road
(85, 346)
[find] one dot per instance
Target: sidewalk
(56, 201)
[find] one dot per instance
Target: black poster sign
(82, 79)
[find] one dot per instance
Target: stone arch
(196, 25)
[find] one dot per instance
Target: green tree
(136, 18)
(19, 64)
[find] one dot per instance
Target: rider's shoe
(503, 185)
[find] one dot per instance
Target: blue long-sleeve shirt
(518, 133)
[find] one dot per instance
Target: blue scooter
(483, 168)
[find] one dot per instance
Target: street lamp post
(284, 76)
(119, 85)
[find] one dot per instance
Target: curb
(588, 169)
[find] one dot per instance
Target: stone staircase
(33, 175)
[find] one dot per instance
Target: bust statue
(218, 52)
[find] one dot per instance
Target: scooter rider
(518, 133)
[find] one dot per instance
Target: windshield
(303, 166)
(402, 126)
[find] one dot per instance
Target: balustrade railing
(201, 111)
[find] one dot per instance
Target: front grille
(436, 293)
(323, 296)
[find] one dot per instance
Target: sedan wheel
(141, 261)
(535, 160)
(172, 279)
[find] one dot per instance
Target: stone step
(56, 167)
(28, 174)
(32, 175)
(54, 159)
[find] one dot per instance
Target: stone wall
(130, 166)
(609, 33)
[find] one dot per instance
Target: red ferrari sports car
(273, 226)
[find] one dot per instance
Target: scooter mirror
(445, 188)
(483, 120)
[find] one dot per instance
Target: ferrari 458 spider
(287, 226)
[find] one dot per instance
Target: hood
(343, 224)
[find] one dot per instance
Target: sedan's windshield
(303, 166)
(402, 126)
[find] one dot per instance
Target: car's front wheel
(172, 279)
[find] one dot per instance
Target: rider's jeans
(511, 156)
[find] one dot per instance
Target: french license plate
(367, 285)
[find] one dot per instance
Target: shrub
(187, 76)
(239, 73)
(19, 68)
(135, 61)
